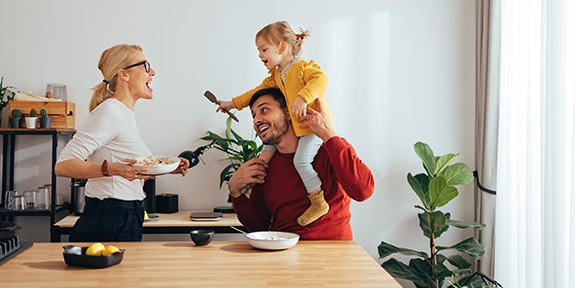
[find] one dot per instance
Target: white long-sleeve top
(110, 132)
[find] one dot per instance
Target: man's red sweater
(276, 204)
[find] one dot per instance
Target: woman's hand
(182, 167)
(126, 169)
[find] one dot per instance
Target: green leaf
(440, 193)
(400, 270)
(458, 261)
(432, 222)
(463, 225)
(385, 249)
(444, 162)
(469, 246)
(457, 174)
(420, 184)
(426, 155)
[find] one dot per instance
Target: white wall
(400, 72)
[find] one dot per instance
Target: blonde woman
(104, 147)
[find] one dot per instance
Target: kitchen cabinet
(8, 150)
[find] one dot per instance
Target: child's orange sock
(318, 208)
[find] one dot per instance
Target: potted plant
(238, 150)
(5, 95)
(31, 119)
(16, 115)
(435, 188)
(45, 121)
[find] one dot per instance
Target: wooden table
(219, 264)
(172, 223)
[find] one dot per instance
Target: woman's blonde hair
(111, 60)
(280, 31)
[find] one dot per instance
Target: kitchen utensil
(7, 229)
(272, 240)
(202, 237)
(9, 199)
(214, 100)
(56, 91)
(241, 231)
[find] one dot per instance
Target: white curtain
(535, 213)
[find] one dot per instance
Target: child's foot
(318, 208)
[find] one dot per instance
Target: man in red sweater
(279, 196)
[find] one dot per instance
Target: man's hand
(318, 122)
(246, 175)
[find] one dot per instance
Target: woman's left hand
(182, 167)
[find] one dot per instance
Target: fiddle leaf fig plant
(238, 149)
(435, 188)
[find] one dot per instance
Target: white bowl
(159, 168)
(272, 240)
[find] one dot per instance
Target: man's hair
(276, 93)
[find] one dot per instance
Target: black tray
(76, 256)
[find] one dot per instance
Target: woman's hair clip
(106, 81)
(298, 36)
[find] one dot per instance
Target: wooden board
(53, 108)
(62, 113)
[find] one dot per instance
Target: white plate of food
(272, 240)
(157, 165)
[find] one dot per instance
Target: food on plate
(95, 249)
(276, 238)
(156, 161)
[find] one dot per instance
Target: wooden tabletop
(219, 264)
(177, 219)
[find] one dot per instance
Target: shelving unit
(8, 150)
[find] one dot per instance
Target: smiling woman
(110, 136)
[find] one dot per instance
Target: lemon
(95, 249)
(110, 249)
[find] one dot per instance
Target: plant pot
(31, 122)
(15, 122)
(45, 122)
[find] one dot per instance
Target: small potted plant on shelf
(45, 121)
(15, 118)
(31, 119)
(5, 95)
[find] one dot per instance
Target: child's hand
(299, 107)
(225, 106)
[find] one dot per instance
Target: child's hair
(280, 31)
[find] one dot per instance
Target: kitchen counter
(219, 264)
(167, 223)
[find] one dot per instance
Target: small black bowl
(202, 237)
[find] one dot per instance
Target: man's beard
(280, 128)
